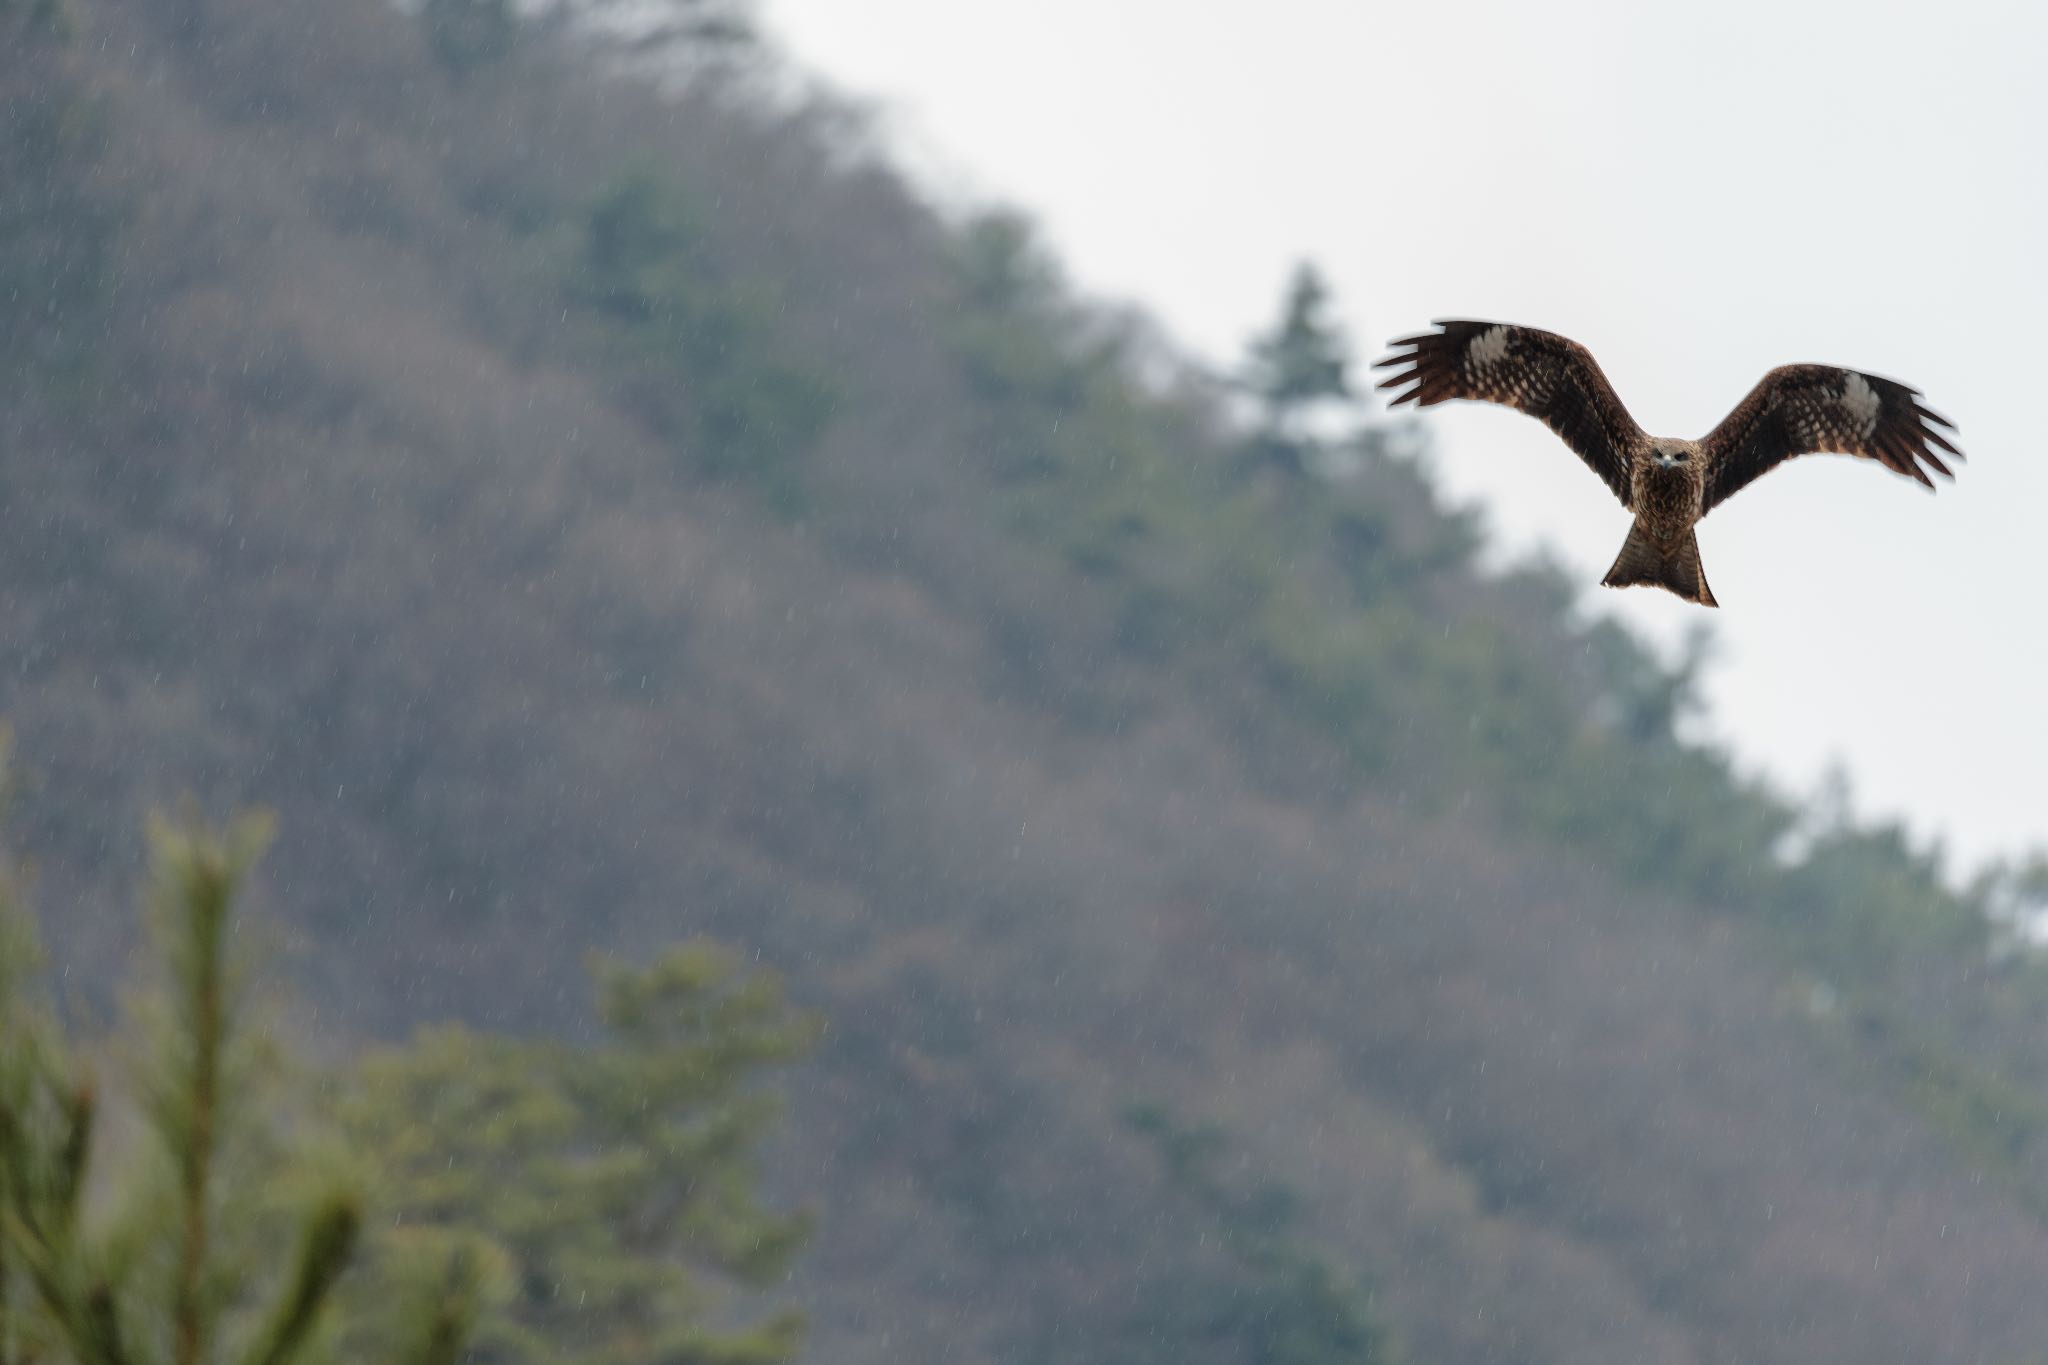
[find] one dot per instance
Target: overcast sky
(1695, 192)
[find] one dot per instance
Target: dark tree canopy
(1305, 358)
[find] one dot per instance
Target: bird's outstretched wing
(1823, 409)
(1545, 375)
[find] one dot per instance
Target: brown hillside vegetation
(590, 520)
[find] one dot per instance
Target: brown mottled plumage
(1670, 484)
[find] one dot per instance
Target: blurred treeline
(595, 519)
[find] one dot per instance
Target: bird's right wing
(1545, 375)
(1824, 409)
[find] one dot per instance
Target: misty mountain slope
(1059, 765)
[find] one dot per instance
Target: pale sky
(1696, 192)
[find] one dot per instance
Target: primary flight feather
(1669, 483)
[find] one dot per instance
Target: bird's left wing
(1823, 409)
(1551, 378)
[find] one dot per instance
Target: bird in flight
(1669, 483)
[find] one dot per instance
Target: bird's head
(1670, 454)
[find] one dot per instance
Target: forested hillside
(1243, 927)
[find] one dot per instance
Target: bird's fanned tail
(1642, 562)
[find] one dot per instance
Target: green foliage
(675, 31)
(1276, 1300)
(187, 1264)
(614, 1182)
(27, 19)
(1999, 1128)
(57, 228)
(1305, 357)
(1647, 699)
(467, 34)
(1303, 361)
(1086, 463)
(700, 351)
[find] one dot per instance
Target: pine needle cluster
(140, 1222)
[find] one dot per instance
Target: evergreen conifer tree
(1280, 1301)
(615, 1182)
(1302, 363)
(466, 34)
(165, 1246)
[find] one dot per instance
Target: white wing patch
(1861, 403)
(1489, 348)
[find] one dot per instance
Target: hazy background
(1696, 192)
(1092, 865)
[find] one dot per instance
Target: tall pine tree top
(1306, 358)
(1300, 367)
